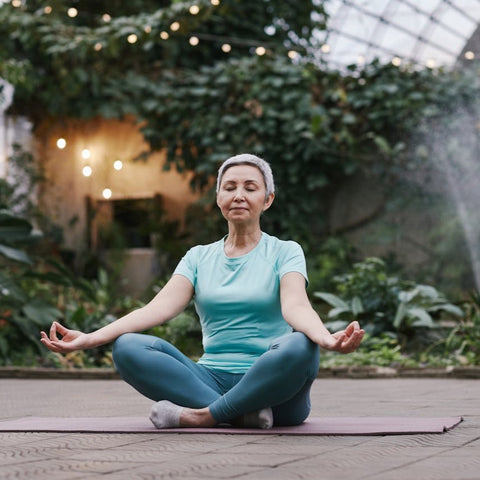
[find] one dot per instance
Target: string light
(87, 171)
(360, 59)
(194, 9)
(16, 3)
(61, 143)
(107, 193)
(292, 54)
(106, 17)
(117, 164)
(147, 29)
(132, 38)
(72, 12)
(396, 61)
(86, 154)
(325, 48)
(215, 2)
(469, 55)
(47, 10)
(98, 46)
(194, 41)
(430, 63)
(175, 26)
(226, 48)
(164, 35)
(260, 51)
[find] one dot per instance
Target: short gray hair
(249, 159)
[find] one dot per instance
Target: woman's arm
(169, 302)
(298, 312)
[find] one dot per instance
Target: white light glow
(226, 48)
(86, 154)
(164, 35)
(260, 51)
(175, 26)
(72, 12)
(117, 164)
(194, 41)
(194, 9)
(87, 171)
(132, 38)
(61, 143)
(107, 193)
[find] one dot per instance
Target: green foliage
(385, 304)
(461, 344)
(380, 351)
(184, 332)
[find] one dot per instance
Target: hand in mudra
(70, 340)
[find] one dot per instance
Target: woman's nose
(239, 195)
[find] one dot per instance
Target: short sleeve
(292, 259)
(187, 266)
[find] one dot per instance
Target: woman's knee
(299, 351)
(125, 347)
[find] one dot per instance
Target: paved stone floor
(55, 456)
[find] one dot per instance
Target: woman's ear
(268, 201)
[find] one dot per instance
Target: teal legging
(280, 378)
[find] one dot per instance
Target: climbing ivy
(315, 125)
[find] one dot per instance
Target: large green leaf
(14, 254)
(332, 300)
(40, 312)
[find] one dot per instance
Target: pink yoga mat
(313, 426)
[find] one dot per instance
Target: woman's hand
(71, 339)
(345, 341)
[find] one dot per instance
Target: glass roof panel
(432, 32)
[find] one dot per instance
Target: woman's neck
(241, 242)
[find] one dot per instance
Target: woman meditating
(261, 336)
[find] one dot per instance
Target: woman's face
(241, 196)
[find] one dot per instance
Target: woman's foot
(259, 419)
(165, 414)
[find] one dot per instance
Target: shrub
(385, 304)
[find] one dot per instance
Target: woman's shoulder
(278, 244)
(204, 249)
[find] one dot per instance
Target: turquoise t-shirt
(238, 299)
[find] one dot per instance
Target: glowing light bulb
(194, 41)
(117, 164)
(98, 46)
(260, 51)
(107, 193)
(430, 63)
(396, 61)
(164, 35)
(86, 154)
(87, 171)
(132, 38)
(292, 54)
(61, 143)
(16, 3)
(72, 12)
(226, 48)
(469, 55)
(106, 17)
(325, 48)
(175, 26)
(147, 29)
(47, 10)
(215, 2)
(194, 9)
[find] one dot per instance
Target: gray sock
(165, 414)
(259, 419)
